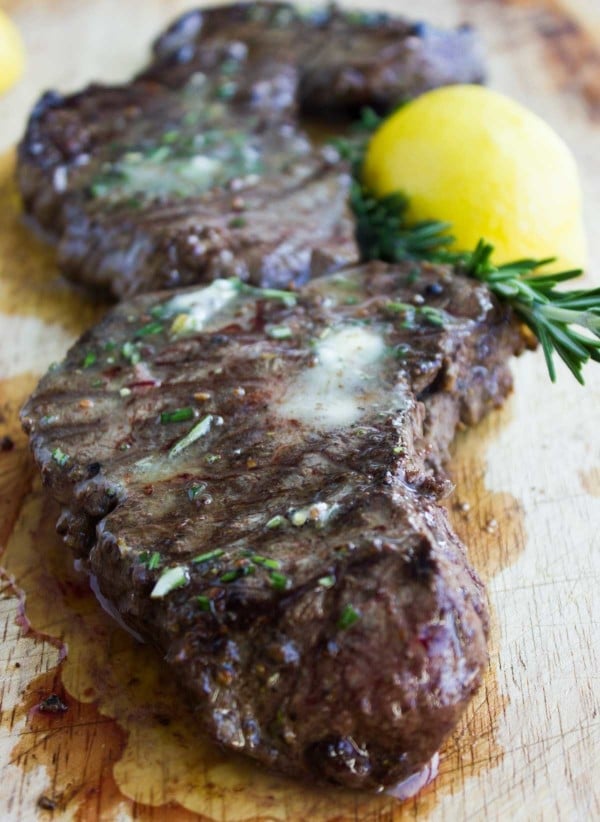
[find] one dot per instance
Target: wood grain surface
(527, 503)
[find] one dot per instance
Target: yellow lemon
(12, 53)
(487, 165)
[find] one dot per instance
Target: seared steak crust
(199, 169)
(275, 465)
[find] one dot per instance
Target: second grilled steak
(254, 479)
(199, 169)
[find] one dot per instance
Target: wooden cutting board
(527, 504)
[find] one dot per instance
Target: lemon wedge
(12, 53)
(494, 170)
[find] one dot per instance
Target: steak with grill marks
(199, 168)
(254, 478)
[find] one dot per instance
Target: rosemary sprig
(555, 317)
(382, 232)
(566, 323)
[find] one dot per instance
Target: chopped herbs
(433, 315)
(89, 359)
(245, 569)
(208, 556)
(348, 617)
(152, 561)
(279, 332)
(398, 307)
(201, 429)
(212, 458)
(266, 562)
(149, 329)
(59, 457)
(170, 137)
(176, 577)
(231, 576)
(196, 490)
(276, 522)
(428, 312)
(158, 311)
(288, 298)
(155, 561)
(226, 90)
(204, 602)
(279, 581)
(326, 582)
(238, 222)
(178, 415)
(230, 66)
(131, 352)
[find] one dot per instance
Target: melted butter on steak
(334, 393)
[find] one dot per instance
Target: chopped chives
(433, 315)
(130, 352)
(158, 311)
(235, 573)
(59, 456)
(155, 561)
(178, 415)
(226, 90)
(89, 359)
(288, 298)
(195, 490)
(266, 562)
(148, 329)
(231, 576)
(327, 582)
(348, 617)
(276, 522)
(400, 308)
(169, 580)
(208, 556)
(199, 430)
(279, 581)
(279, 332)
(170, 136)
(203, 602)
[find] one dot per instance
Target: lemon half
(494, 170)
(12, 53)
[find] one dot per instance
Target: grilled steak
(254, 479)
(199, 169)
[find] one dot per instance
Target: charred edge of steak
(285, 461)
(198, 169)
